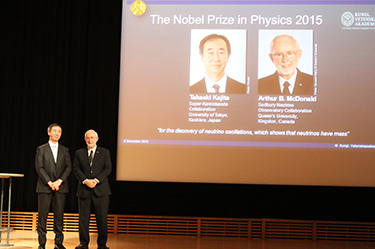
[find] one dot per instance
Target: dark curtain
(60, 63)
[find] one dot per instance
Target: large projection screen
(171, 129)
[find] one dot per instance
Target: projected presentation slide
(244, 77)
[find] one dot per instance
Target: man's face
(54, 134)
(285, 56)
(91, 138)
(215, 58)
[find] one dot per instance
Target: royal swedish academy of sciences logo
(347, 19)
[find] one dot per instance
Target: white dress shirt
(222, 83)
(54, 148)
(292, 82)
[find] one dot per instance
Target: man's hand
(52, 185)
(55, 186)
(91, 183)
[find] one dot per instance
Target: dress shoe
(60, 246)
(80, 246)
(41, 247)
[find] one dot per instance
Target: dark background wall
(60, 63)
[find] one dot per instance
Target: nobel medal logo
(347, 19)
(138, 7)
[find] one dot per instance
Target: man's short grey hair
(296, 44)
(93, 131)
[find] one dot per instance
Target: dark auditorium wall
(60, 63)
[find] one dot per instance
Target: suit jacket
(270, 85)
(48, 170)
(100, 169)
(233, 86)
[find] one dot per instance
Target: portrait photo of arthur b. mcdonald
(285, 54)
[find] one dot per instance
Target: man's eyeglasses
(289, 55)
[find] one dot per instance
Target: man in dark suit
(92, 165)
(214, 51)
(287, 80)
(53, 165)
(232, 86)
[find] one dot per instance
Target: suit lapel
(298, 87)
(95, 155)
(59, 154)
(49, 152)
(275, 84)
(86, 157)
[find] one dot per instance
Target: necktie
(216, 87)
(54, 152)
(286, 88)
(91, 157)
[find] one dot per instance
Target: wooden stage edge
(28, 240)
(197, 232)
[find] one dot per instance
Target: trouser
(100, 207)
(44, 203)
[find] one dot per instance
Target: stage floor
(28, 240)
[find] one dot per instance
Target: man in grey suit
(214, 50)
(288, 79)
(92, 166)
(53, 165)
